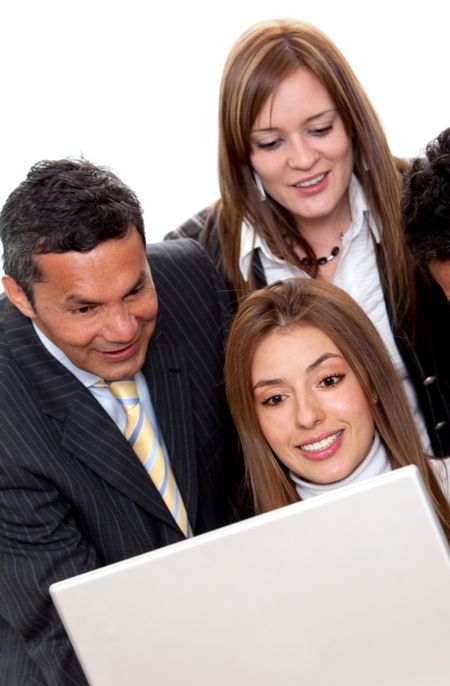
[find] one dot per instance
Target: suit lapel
(92, 437)
(167, 376)
(87, 432)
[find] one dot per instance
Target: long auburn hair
(299, 302)
(261, 58)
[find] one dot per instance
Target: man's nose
(120, 325)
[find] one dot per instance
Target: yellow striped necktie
(140, 434)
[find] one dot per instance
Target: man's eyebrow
(75, 299)
(307, 121)
(262, 383)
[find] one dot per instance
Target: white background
(134, 85)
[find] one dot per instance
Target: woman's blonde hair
(299, 302)
(265, 55)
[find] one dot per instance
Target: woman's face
(309, 404)
(301, 151)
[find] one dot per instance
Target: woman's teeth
(320, 445)
(311, 182)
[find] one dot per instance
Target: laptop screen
(352, 588)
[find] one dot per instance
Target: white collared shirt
(356, 273)
(103, 395)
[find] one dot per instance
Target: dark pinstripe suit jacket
(73, 495)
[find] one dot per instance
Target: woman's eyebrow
(307, 121)
(268, 382)
(320, 359)
(262, 383)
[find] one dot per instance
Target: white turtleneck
(374, 464)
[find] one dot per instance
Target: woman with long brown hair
(309, 187)
(316, 400)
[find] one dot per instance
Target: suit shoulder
(4, 354)
(185, 264)
(3, 305)
(183, 250)
(187, 282)
(191, 228)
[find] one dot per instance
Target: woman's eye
(322, 131)
(273, 400)
(270, 145)
(331, 380)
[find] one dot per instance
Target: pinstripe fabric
(72, 494)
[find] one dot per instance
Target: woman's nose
(302, 154)
(309, 411)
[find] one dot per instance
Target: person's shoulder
(3, 303)
(5, 306)
(193, 227)
(184, 266)
(204, 228)
(14, 346)
(187, 282)
(185, 252)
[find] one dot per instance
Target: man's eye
(135, 291)
(87, 309)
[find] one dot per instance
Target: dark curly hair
(426, 202)
(63, 205)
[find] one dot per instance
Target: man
(426, 210)
(85, 312)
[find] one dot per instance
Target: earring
(259, 186)
(375, 398)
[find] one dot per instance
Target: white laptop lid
(350, 588)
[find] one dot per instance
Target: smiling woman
(316, 399)
(310, 188)
(310, 405)
(303, 157)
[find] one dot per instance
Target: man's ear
(17, 296)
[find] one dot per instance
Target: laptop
(351, 588)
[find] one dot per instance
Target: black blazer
(73, 495)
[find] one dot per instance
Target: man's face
(440, 270)
(98, 307)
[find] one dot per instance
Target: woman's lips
(312, 185)
(324, 448)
